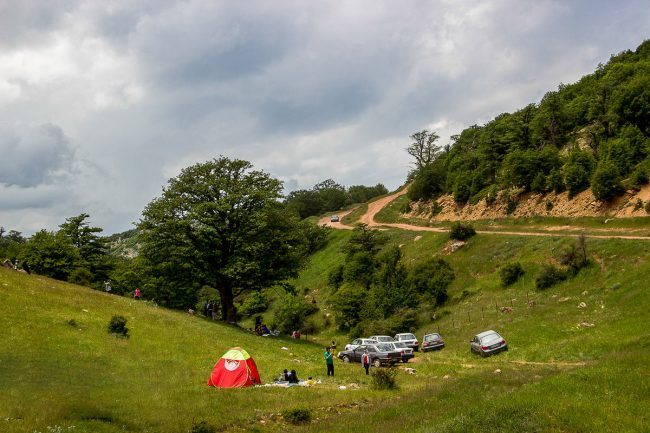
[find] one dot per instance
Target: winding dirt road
(377, 205)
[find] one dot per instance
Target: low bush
(297, 416)
(384, 378)
(511, 205)
(461, 232)
(81, 276)
(510, 273)
(549, 276)
(203, 427)
(255, 303)
(647, 207)
(292, 313)
(117, 326)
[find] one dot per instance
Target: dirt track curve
(377, 205)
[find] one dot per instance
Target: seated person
(286, 375)
(265, 330)
(293, 377)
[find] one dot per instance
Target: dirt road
(377, 205)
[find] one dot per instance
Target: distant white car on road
(334, 219)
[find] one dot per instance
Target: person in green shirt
(329, 361)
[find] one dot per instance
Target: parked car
(380, 354)
(488, 343)
(334, 218)
(358, 342)
(382, 338)
(409, 339)
(432, 342)
(407, 352)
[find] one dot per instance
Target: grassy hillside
(561, 373)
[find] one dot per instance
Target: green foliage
(316, 236)
(511, 205)
(348, 303)
(423, 149)
(647, 207)
(117, 326)
(218, 224)
(549, 276)
(292, 313)
(461, 232)
(329, 196)
(362, 193)
(432, 278)
(606, 113)
(50, 254)
(391, 291)
(297, 416)
(384, 378)
(606, 182)
(548, 206)
(81, 276)
(639, 177)
(11, 243)
(256, 302)
(428, 183)
(92, 249)
(574, 257)
(510, 273)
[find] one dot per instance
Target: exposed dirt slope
(374, 207)
(531, 204)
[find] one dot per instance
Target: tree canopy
(219, 224)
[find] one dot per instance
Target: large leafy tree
(423, 148)
(50, 254)
(219, 224)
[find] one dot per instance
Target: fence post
(469, 320)
(483, 313)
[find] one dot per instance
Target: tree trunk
(228, 313)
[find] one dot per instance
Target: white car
(359, 342)
(382, 338)
(409, 339)
(407, 352)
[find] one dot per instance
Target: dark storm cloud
(305, 90)
(32, 154)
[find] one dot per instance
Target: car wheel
(376, 363)
(346, 359)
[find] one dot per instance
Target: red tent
(235, 369)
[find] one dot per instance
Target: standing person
(107, 286)
(329, 361)
(365, 360)
(137, 293)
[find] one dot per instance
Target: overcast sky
(102, 101)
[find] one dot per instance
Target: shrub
(316, 236)
(549, 205)
(510, 273)
(639, 177)
(575, 256)
(549, 276)
(539, 183)
(647, 207)
(384, 378)
(203, 427)
(511, 205)
(292, 313)
(555, 182)
(432, 278)
(491, 195)
(347, 303)
(436, 208)
(461, 232)
(81, 276)
(606, 182)
(117, 326)
(297, 415)
(255, 303)
(576, 178)
(462, 191)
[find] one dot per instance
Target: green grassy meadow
(569, 369)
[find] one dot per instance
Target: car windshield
(407, 337)
(400, 345)
(385, 339)
(490, 339)
(385, 347)
(431, 337)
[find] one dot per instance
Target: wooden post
(483, 313)
(469, 320)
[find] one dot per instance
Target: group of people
(211, 309)
(286, 376)
(329, 359)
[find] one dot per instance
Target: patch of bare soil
(584, 204)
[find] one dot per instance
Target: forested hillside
(593, 133)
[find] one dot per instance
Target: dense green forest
(593, 133)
